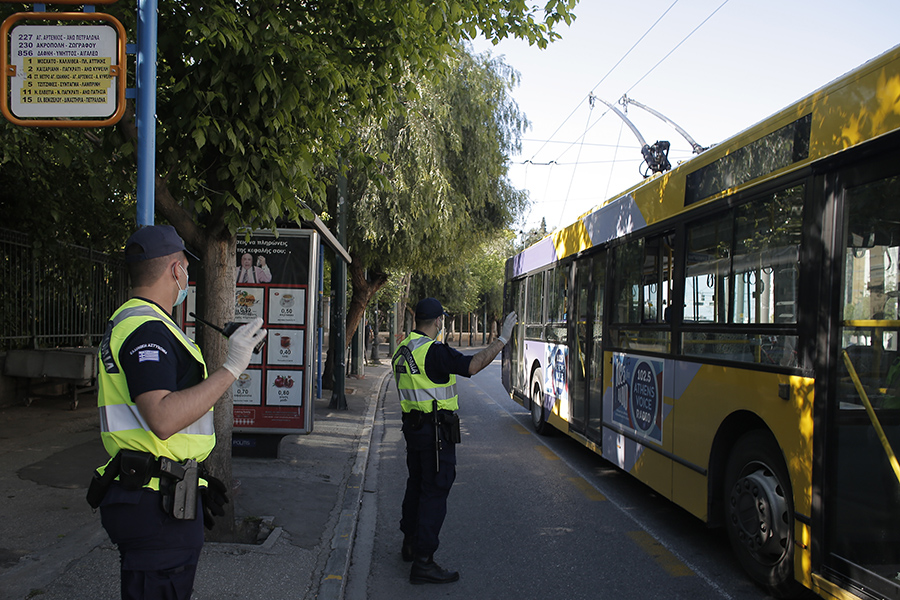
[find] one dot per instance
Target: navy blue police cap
(154, 241)
(429, 308)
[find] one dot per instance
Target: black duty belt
(178, 481)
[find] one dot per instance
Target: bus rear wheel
(759, 514)
(538, 416)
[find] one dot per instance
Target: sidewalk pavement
(52, 545)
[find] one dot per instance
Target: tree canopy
(257, 102)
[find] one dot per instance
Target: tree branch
(164, 203)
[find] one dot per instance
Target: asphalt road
(534, 517)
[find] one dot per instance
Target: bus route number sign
(63, 71)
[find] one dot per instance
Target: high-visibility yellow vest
(417, 391)
(121, 425)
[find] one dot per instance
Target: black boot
(408, 548)
(425, 570)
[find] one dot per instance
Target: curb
(334, 579)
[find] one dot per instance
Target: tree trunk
(215, 303)
(364, 285)
(403, 304)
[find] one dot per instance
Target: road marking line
(546, 452)
(587, 489)
(628, 513)
(520, 430)
(668, 561)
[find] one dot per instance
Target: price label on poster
(287, 306)
(248, 304)
(63, 70)
(247, 389)
(285, 347)
(285, 388)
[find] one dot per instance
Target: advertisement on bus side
(556, 379)
(638, 395)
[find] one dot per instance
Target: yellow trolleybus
(728, 333)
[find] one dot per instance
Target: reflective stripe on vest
(125, 417)
(121, 423)
(417, 391)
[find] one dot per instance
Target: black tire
(759, 513)
(538, 413)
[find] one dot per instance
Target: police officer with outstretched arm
(156, 416)
(425, 372)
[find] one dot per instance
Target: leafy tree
(257, 98)
(442, 187)
(52, 188)
(475, 282)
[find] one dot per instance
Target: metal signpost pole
(146, 111)
(339, 323)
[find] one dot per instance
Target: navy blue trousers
(425, 501)
(158, 553)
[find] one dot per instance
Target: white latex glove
(506, 329)
(241, 345)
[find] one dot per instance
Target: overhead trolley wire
(577, 157)
(678, 45)
(644, 76)
(624, 56)
(590, 95)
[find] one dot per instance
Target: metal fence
(55, 295)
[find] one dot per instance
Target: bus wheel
(538, 417)
(759, 514)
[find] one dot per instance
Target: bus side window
(534, 314)
(707, 268)
(627, 282)
(557, 304)
(767, 258)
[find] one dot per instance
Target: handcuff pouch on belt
(414, 420)
(450, 426)
(448, 420)
(178, 482)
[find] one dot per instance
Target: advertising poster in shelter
(273, 280)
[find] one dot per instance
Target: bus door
(861, 492)
(512, 353)
(585, 350)
(579, 346)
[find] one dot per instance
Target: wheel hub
(759, 511)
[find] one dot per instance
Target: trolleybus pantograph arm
(656, 156)
(697, 148)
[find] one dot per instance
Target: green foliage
(473, 281)
(256, 98)
(444, 186)
(53, 188)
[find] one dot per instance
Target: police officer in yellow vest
(155, 401)
(425, 372)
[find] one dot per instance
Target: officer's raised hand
(241, 345)
(507, 328)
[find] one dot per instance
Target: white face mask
(182, 293)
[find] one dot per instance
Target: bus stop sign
(68, 72)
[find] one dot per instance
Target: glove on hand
(241, 345)
(508, 324)
(215, 497)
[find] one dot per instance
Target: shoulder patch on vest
(408, 357)
(109, 364)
